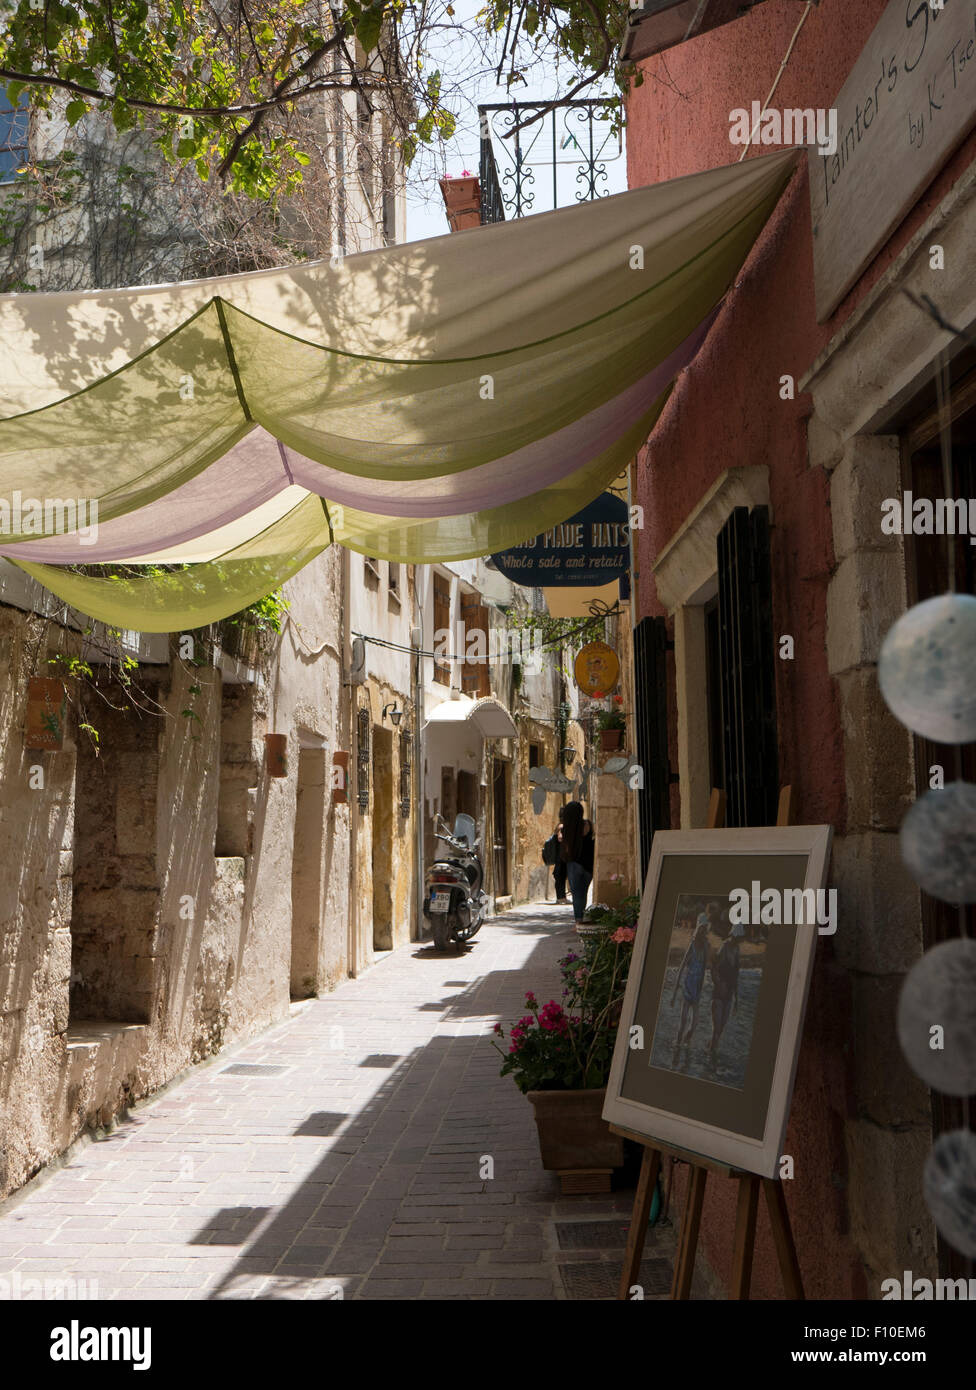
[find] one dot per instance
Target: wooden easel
(747, 1206)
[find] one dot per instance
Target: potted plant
(611, 724)
(559, 1056)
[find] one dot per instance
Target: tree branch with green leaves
(219, 81)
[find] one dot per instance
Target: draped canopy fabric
(443, 398)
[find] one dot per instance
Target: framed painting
(712, 1017)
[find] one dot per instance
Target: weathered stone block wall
(615, 802)
(176, 949)
(36, 831)
(385, 848)
(115, 874)
(531, 879)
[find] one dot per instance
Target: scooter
(455, 904)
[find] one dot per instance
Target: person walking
(553, 860)
(559, 868)
(576, 851)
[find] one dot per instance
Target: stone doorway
(115, 873)
(382, 826)
(312, 800)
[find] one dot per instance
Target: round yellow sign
(597, 669)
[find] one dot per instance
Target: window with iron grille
(406, 771)
(363, 759)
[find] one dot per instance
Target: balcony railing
(569, 149)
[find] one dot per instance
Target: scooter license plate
(440, 902)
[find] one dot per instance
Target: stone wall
(531, 879)
(116, 874)
(615, 803)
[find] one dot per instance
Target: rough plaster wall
(531, 879)
(215, 950)
(614, 803)
(115, 873)
(852, 1146)
(36, 827)
(725, 411)
(305, 693)
(374, 695)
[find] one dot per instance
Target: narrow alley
(341, 1151)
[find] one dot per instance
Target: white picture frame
(664, 1124)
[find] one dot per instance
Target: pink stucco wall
(725, 412)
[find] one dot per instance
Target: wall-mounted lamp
(395, 714)
(567, 754)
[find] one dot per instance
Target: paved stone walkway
(351, 1164)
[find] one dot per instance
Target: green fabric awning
(444, 399)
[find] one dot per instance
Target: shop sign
(597, 669)
(591, 548)
(909, 101)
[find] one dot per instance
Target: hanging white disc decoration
(937, 1018)
(927, 668)
(938, 842)
(949, 1185)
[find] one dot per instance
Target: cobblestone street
(341, 1150)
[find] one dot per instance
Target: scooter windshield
(465, 829)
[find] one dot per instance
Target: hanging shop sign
(592, 547)
(597, 669)
(909, 101)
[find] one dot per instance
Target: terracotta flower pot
(611, 739)
(572, 1131)
(462, 201)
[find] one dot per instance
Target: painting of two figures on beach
(707, 1010)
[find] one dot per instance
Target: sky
(425, 204)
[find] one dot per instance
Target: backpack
(550, 850)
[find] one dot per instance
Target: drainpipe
(635, 839)
(417, 638)
(352, 914)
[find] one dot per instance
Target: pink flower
(552, 1018)
(580, 975)
(623, 934)
(497, 1028)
